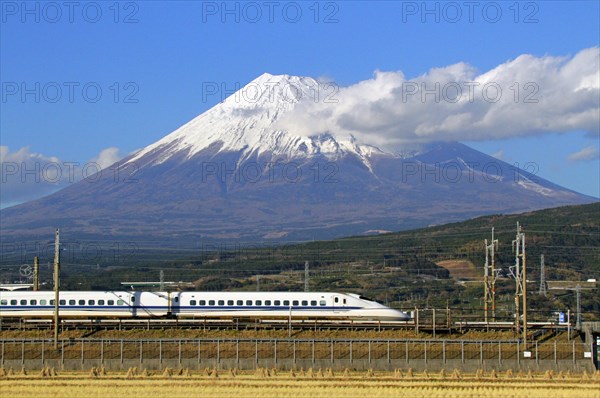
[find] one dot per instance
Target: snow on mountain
(244, 123)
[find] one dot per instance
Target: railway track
(268, 324)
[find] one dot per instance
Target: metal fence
(245, 352)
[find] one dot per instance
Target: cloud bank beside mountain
(524, 96)
(27, 175)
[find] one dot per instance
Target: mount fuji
(232, 174)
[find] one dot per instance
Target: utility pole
(524, 259)
(36, 272)
(489, 278)
(521, 283)
(578, 321)
(306, 276)
(56, 284)
(258, 283)
(543, 287)
(162, 280)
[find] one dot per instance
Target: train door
(174, 303)
(134, 303)
(337, 303)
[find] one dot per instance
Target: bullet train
(137, 304)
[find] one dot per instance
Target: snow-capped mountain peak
(244, 122)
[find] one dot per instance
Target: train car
(255, 305)
(305, 305)
(80, 304)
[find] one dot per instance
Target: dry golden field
(310, 383)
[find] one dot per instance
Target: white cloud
(27, 175)
(524, 96)
(587, 153)
(108, 157)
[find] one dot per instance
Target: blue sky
(150, 60)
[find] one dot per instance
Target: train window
(32, 302)
(211, 302)
(42, 302)
(13, 302)
(344, 301)
(277, 302)
(110, 302)
(133, 299)
(221, 302)
(91, 302)
(72, 302)
(120, 302)
(100, 302)
(258, 302)
(51, 302)
(313, 302)
(23, 302)
(192, 302)
(202, 302)
(62, 302)
(176, 299)
(322, 303)
(240, 302)
(336, 300)
(81, 302)
(304, 302)
(267, 302)
(286, 302)
(248, 302)
(295, 302)
(229, 302)
(3, 302)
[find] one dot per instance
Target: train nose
(390, 314)
(400, 316)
